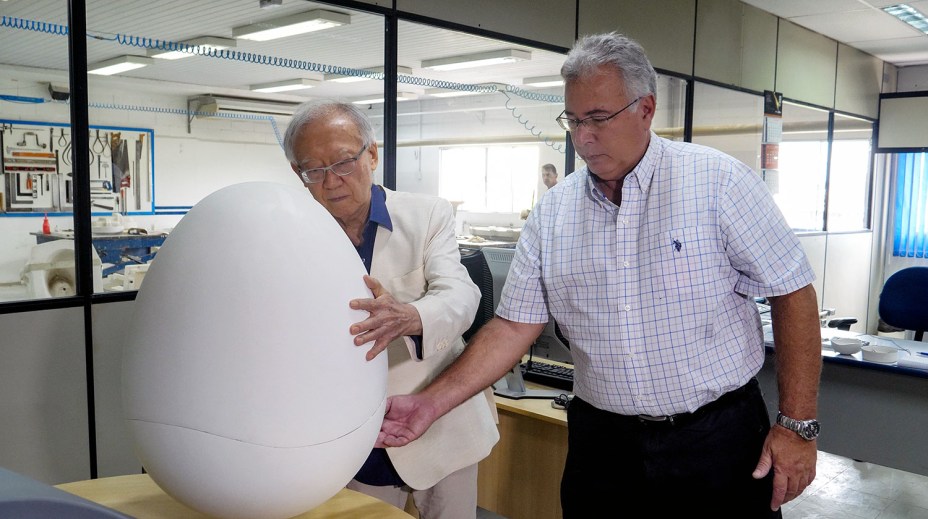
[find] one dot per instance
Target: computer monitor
(473, 260)
(499, 259)
(551, 344)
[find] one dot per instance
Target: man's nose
(582, 134)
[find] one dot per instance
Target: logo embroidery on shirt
(677, 245)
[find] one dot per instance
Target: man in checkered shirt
(649, 258)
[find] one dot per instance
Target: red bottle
(46, 229)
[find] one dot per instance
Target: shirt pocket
(686, 264)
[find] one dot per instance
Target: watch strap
(806, 429)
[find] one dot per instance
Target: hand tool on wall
(30, 167)
(66, 156)
(24, 142)
(30, 161)
(51, 138)
(36, 154)
(98, 145)
(136, 188)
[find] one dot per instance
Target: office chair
(904, 300)
(842, 323)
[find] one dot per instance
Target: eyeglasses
(593, 122)
(341, 168)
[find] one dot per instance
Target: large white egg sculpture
(242, 389)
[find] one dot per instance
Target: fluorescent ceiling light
(301, 23)
(119, 65)
(400, 96)
(204, 43)
(448, 92)
(480, 59)
(909, 15)
(285, 86)
(543, 81)
(342, 78)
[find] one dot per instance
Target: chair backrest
(904, 300)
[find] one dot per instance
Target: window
(849, 175)
(729, 121)
(799, 186)
(499, 179)
(911, 211)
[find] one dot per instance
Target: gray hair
(615, 50)
(311, 112)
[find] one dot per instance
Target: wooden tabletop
(137, 495)
(539, 408)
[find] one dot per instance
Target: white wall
(43, 395)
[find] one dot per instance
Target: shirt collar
(379, 214)
(641, 175)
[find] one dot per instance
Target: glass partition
(729, 121)
(182, 102)
(849, 174)
(669, 117)
(803, 160)
(35, 153)
(475, 125)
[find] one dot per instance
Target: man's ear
(648, 105)
(375, 158)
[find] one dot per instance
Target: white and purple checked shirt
(656, 296)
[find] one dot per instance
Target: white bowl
(846, 345)
(883, 354)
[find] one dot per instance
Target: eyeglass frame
(565, 122)
(304, 173)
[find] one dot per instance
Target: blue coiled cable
(261, 59)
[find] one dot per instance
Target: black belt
(681, 419)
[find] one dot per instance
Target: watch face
(809, 430)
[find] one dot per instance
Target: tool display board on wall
(37, 163)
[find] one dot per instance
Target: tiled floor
(848, 489)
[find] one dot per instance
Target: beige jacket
(419, 263)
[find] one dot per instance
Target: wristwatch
(806, 429)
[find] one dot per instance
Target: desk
(116, 249)
(521, 478)
(869, 411)
(137, 495)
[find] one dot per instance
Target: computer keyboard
(551, 375)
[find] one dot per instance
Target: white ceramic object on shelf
(847, 345)
(881, 354)
(243, 390)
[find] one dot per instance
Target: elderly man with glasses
(650, 258)
(423, 301)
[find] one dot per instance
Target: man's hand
(388, 319)
(793, 463)
(407, 417)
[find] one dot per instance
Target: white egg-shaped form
(242, 388)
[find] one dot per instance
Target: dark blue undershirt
(378, 469)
